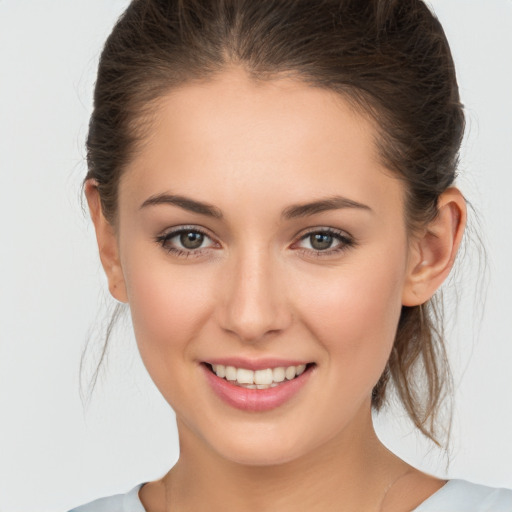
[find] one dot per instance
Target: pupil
(191, 240)
(321, 241)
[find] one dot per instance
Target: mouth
(258, 385)
(261, 379)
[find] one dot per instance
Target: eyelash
(345, 242)
(164, 239)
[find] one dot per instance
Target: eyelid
(340, 233)
(346, 241)
(170, 233)
(176, 230)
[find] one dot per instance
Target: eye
(185, 241)
(321, 241)
(191, 239)
(325, 241)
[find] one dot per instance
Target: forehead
(232, 135)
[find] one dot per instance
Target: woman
(271, 185)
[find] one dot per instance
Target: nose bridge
(254, 304)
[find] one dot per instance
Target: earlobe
(107, 243)
(433, 252)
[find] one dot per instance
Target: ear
(107, 243)
(433, 251)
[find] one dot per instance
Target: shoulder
(457, 495)
(128, 502)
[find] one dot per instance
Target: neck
(350, 472)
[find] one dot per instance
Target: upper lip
(256, 364)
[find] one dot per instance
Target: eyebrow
(183, 202)
(322, 205)
(291, 212)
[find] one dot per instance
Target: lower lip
(256, 400)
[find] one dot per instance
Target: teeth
(258, 379)
(220, 370)
(278, 374)
(230, 372)
(244, 376)
(263, 377)
(290, 372)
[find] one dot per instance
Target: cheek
(169, 305)
(355, 315)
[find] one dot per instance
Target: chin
(257, 456)
(263, 446)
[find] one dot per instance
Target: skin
(256, 288)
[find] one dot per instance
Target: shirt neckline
(434, 496)
(135, 492)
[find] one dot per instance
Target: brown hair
(390, 58)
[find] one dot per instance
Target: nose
(254, 301)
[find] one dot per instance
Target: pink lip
(256, 364)
(256, 400)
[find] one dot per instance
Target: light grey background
(54, 453)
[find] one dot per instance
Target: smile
(260, 389)
(257, 379)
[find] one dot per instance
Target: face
(259, 231)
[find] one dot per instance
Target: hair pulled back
(390, 58)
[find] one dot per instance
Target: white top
(454, 496)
